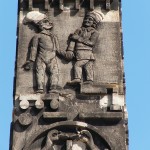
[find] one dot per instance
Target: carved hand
(61, 53)
(86, 42)
(28, 65)
(80, 39)
(87, 138)
(75, 37)
(69, 55)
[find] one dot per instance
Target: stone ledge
(102, 115)
(56, 115)
(87, 88)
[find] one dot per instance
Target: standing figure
(81, 45)
(43, 52)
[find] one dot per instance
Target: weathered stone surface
(69, 84)
(25, 119)
(102, 115)
(93, 89)
(52, 115)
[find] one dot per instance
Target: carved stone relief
(67, 137)
(45, 45)
(43, 52)
(82, 140)
(81, 45)
(69, 76)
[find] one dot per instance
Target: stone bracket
(47, 7)
(39, 99)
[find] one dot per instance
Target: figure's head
(39, 19)
(88, 21)
(45, 24)
(53, 135)
(92, 19)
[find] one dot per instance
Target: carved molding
(77, 4)
(66, 125)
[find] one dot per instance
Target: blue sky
(136, 32)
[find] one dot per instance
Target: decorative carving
(43, 52)
(48, 113)
(25, 101)
(108, 6)
(77, 4)
(91, 3)
(39, 104)
(69, 135)
(61, 4)
(25, 119)
(81, 46)
(55, 115)
(102, 115)
(47, 7)
(38, 99)
(87, 88)
(82, 140)
(54, 97)
(30, 4)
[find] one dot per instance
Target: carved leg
(53, 73)
(78, 68)
(89, 71)
(40, 73)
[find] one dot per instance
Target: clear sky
(136, 32)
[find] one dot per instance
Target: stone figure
(43, 52)
(81, 45)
